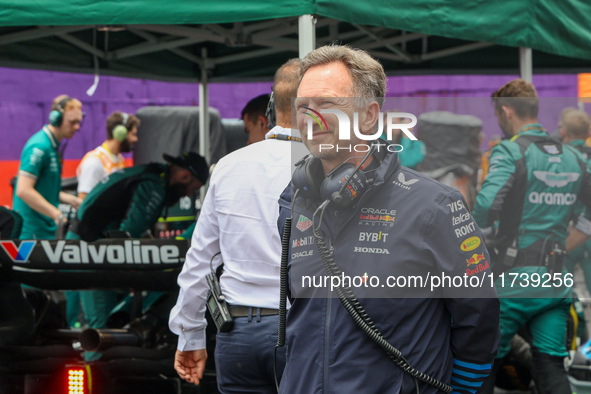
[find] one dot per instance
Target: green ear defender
(120, 131)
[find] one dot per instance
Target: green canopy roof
(166, 38)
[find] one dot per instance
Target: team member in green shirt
(574, 129)
(531, 189)
(131, 200)
(38, 187)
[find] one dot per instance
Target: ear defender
(120, 131)
(56, 116)
(307, 176)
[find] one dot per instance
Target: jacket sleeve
(496, 186)
(145, 208)
(187, 317)
(457, 247)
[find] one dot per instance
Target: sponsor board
(126, 254)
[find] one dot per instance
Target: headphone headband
(64, 101)
(125, 118)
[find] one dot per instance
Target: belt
(529, 259)
(242, 311)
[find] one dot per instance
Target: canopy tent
(229, 39)
(251, 39)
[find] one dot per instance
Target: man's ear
(369, 118)
(562, 132)
(508, 112)
(186, 177)
(264, 120)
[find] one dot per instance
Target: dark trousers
(548, 373)
(244, 356)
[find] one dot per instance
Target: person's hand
(190, 364)
(58, 218)
(70, 199)
(75, 202)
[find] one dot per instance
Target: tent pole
(525, 63)
(306, 34)
(204, 137)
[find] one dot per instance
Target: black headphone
(343, 186)
(56, 116)
(120, 131)
(270, 113)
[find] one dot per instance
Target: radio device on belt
(216, 302)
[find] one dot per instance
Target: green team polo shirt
(40, 160)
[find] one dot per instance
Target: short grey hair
(369, 78)
(576, 124)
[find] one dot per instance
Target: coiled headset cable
(360, 316)
(283, 287)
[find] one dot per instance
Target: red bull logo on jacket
(477, 269)
(475, 259)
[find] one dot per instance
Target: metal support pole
(306, 34)
(525, 64)
(204, 137)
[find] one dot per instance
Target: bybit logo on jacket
(373, 237)
(403, 183)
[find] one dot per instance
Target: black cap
(193, 162)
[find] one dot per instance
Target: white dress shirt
(238, 218)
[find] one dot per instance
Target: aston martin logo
(560, 179)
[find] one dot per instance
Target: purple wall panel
(27, 95)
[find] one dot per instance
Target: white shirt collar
(51, 137)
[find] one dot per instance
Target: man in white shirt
(256, 123)
(107, 158)
(239, 219)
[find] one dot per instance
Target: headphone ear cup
(307, 177)
(120, 133)
(55, 118)
(330, 188)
